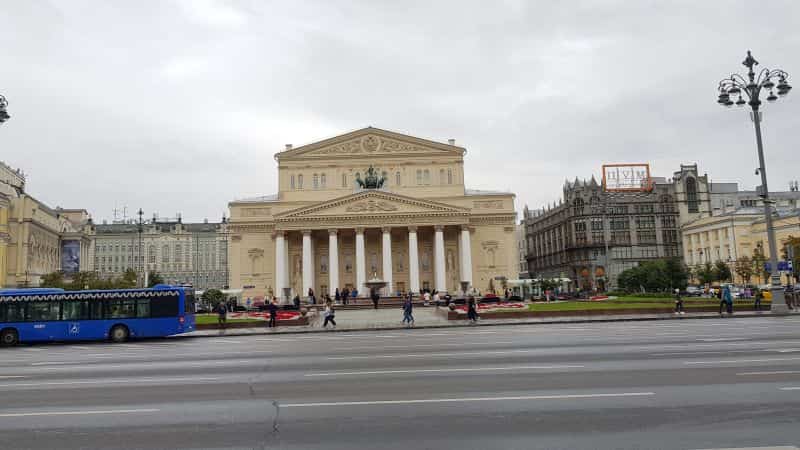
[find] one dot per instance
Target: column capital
(438, 227)
(360, 230)
(306, 232)
(333, 232)
(466, 227)
(278, 233)
(386, 229)
(412, 228)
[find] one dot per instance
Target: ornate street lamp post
(751, 88)
(140, 265)
(3, 113)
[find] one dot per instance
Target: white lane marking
(791, 388)
(722, 339)
(79, 413)
(410, 346)
(708, 352)
(469, 369)
(471, 399)
(137, 363)
(126, 381)
(12, 376)
(774, 372)
(78, 347)
(734, 361)
(787, 350)
(424, 355)
(755, 448)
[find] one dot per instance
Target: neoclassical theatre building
(371, 204)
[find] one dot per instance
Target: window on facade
(291, 182)
(668, 222)
(646, 236)
(165, 253)
(449, 176)
(397, 179)
(645, 222)
(300, 181)
(619, 209)
(344, 180)
(419, 176)
(620, 237)
(577, 206)
(441, 176)
(315, 181)
(323, 264)
(691, 195)
(669, 236)
(427, 176)
(322, 181)
(151, 254)
(644, 208)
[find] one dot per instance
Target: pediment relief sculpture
(371, 206)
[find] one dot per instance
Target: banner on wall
(70, 256)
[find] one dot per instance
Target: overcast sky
(179, 106)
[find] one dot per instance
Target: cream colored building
(736, 234)
(422, 229)
(33, 236)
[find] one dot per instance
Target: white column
(280, 268)
(286, 265)
(413, 261)
(438, 259)
(387, 259)
(308, 264)
(732, 244)
(333, 262)
(466, 255)
(361, 264)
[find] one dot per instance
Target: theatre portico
(365, 205)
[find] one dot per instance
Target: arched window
(691, 195)
(344, 180)
(315, 181)
(449, 176)
(441, 176)
(322, 180)
(397, 179)
(300, 181)
(419, 176)
(291, 182)
(427, 176)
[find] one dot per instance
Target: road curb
(265, 331)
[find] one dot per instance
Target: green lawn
(205, 319)
(630, 304)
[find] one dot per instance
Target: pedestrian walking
(222, 315)
(375, 296)
(678, 302)
(726, 300)
(426, 298)
(436, 298)
(472, 310)
(757, 301)
(790, 295)
(337, 296)
(408, 307)
(345, 296)
(273, 314)
(329, 314)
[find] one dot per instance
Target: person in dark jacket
(375, 297)
(408, 307)
(759, 295)
(273, 314)
(726, 300)
(296, 301)
(345, 295)
(337, 296)
(329, 314)
(472, 309)
(222, 316)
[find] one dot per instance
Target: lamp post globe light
(3, 112)
(748, 92)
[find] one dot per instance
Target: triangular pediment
(368, 142)
(372, 203)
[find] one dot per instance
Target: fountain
(375, 283)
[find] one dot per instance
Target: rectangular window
(72, 310)
(96, 309)
(42, 311)
(646, 236)
(143, 307)
(122, 309)
(668, 222)
(645, 223)
(164, 307)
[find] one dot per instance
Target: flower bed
(256, 320)
(282, 315)
(493, 306)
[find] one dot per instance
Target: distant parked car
(693, 291)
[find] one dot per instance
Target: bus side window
(164, 307)
(15, 312)
(75, 310)
(143, 307)
(96, 309)
(2, 312)
(42, 311)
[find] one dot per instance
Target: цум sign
(626, 177)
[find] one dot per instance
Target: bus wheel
(119, 333)
(9, 337)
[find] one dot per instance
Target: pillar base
(778, 306)
(779, 310)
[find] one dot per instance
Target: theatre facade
(371, 204)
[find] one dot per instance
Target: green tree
(705, 273)
(128, 280)
(52, 280)
(154, 278)
(677, 273)
(759, 260)
(721, 272)
(213, 296)
(744, 268)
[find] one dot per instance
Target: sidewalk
(390, 319)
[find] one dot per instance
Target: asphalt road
(691, 384)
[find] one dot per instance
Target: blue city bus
(45, 314)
